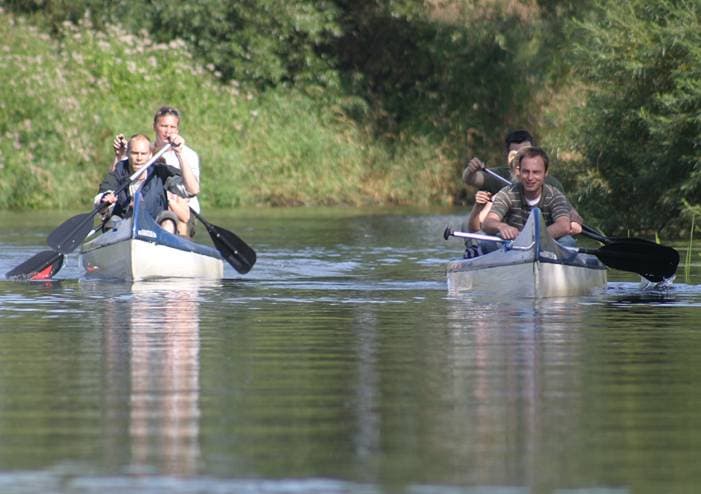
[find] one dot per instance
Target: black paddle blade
(41, 266)
(71, 233)
(232, 248)
(652, 261)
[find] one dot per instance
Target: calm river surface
(340, 364)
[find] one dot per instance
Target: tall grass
(689, 250)
(63, 99)
(689, 212)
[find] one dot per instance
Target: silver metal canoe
(533, 265)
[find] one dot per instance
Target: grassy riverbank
(338, 103)
(64, 100)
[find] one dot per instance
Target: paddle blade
(233, 249)
(41, 266)
(652, 261)
(71, 233)
(230, 246)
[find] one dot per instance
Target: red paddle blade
(41, 266)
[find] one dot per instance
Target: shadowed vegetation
(360, 103)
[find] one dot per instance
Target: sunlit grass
(63, 99)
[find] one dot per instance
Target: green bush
(63, 101)
(341, 102)
(266, 42)
(638, 130)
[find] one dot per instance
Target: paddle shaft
(507, 244)
(474, 236)
(490, 238)
(66, 237)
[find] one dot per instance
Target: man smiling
(512, 205)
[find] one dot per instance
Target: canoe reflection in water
(515, 380)
(152, 345)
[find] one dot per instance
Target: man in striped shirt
(512, 205)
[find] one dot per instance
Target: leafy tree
(266, 41)
(439, 75)
(639, 128)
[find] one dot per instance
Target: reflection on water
(154, 336)
(508, 361)
(342, 365)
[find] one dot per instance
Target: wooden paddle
(652, 261)
(236, 252)
(71, 233)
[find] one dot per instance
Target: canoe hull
(138, 249)
(534, 266)
(135, 260)
(531, 280)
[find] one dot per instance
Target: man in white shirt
(166, 125)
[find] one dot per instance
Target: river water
(340, 364)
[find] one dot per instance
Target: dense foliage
(360, 102)
(433, 66)
(639, 129)
(365, 121)
(62, 102)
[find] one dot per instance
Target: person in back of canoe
(483, 199)
(152, 184)
(474, 173)
(512, 205)
(166, 126)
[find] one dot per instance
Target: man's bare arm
(473, 174)
(561, 227)
(493, 225)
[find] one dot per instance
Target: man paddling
(151, 184)
(166, 127)
(512, 205)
